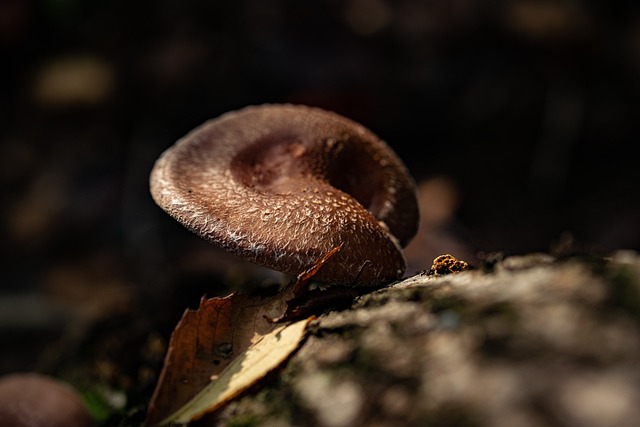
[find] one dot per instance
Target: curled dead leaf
(212, 342)
(245, 371)
(228, 344)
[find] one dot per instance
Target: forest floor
(529, 340)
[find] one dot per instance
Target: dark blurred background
(518, 118)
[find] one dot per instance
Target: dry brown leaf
(218, 342)
(245, 371)
(206, 341)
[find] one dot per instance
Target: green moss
(625, 291)
(244, 420)
(97, 405)
(447, 303)
(503, 310)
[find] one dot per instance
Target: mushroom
(282, 185)
(35, 400)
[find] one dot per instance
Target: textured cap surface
(280, 185)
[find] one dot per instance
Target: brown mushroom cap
(34, 400)
(281, 185)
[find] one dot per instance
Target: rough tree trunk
(535, 341)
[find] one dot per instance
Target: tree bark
(528, 341)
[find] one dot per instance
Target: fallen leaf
(245, 370)
(228, 344)
(206, 341)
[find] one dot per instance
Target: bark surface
(528, 341)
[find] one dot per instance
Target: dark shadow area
(518, 119)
